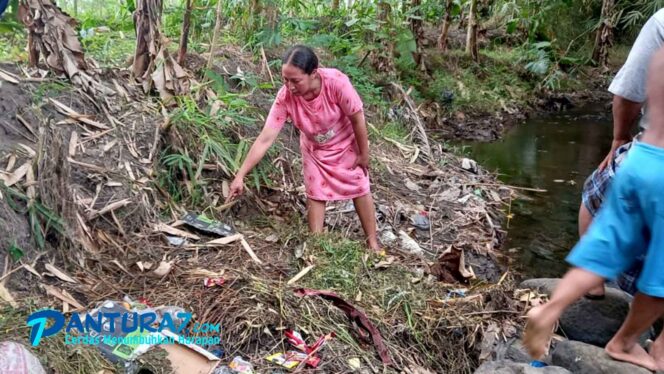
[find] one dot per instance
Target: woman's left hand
(362, 161)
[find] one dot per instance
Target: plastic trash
(538, 364)
(201, 222)
(16, 359)
(211, 282)
(421, 220)
(240, 366)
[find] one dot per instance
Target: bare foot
(657, 353)
(632, 353)
(539, 328)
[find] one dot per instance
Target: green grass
(110, 49)
(338, 264)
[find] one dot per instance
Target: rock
(589, 321)
(511, 367)
(513, 350)
(587, 359)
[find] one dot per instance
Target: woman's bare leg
(316, 215)
(364, 205)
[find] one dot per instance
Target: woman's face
(296, 80)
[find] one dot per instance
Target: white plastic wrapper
(16, 359)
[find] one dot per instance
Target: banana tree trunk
(184, 36)
(604, 36)
(215, 35)
(471, 36)
(418, 31)
(442, 39)
(153, 65)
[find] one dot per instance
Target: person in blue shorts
(629, 226)
(629, 95)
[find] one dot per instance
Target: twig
(251, 253)
(267, 65)
(109, 208)
(301, 274)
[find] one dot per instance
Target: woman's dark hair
(302, 57)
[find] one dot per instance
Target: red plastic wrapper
(211, 282)
(296, 340)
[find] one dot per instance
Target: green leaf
(15, 252)
(511, 26)
(351, 22)
(542, 45)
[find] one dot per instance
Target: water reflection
(555, 153)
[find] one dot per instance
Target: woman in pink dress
(327, 110)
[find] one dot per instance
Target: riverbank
(99, 189)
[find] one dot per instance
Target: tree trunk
(147, 23)
(153, 66)
(442, 39)
(382, 59)
(471, 37)
(418, 32)
(335, 5)
(184, 37)
(51, 35)
(604, 37)
(215, 35)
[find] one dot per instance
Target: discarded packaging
(469, 165)
(184, 358)
(240, 366)
(309, 352)
(289, 360)
(408, 244)
(202, 223)
(387, 237)
(421, 220)
(16, 359)
(176, 241)
(211, 282)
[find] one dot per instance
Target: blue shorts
(630, 223)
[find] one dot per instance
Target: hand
(236, 189)
(615, 144)
(362, 161)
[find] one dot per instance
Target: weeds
(42, 219)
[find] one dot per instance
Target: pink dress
(327, 138)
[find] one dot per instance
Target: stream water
(554, 153)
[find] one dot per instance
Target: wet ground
(555, 153)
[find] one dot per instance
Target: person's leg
(364, 205)
(316, 215)
(610, 246)
(624, 346)
(542, 319)
(585, 219)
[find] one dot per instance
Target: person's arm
(362, 139)
(263, 142)
(625, 114)
(629, 85)
(273, 124)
